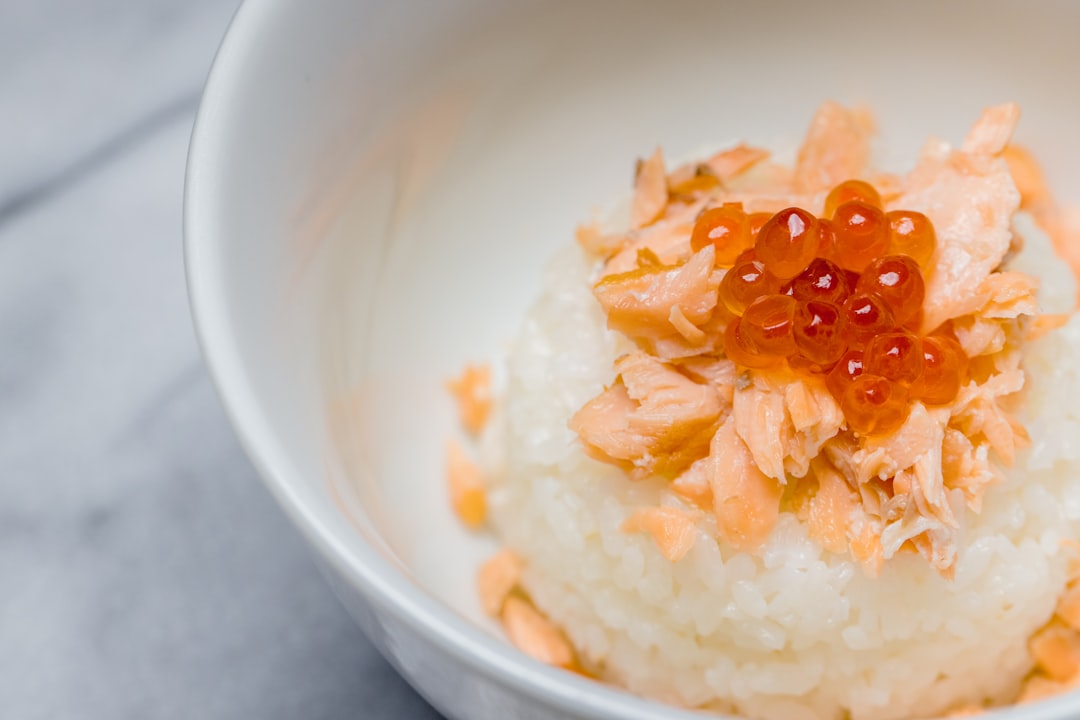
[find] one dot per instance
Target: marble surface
(144, 571)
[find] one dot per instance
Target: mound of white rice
(796, 632)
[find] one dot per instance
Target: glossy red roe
(726, 229)
(844, 373)
(866, 316)
(767, 325)
(911, 233)
(944, 367)
(741, 352)
(826, 231)
(862, 234)
(788, 242)
(897, 280)
(822, 280)
(756, 221)
(874, 405)
(746, 281)
(838, 297)
(896, 356)
(818, 332)
(848, 191)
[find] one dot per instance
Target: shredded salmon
(980, 412)
(650, 191)
(1062, 224)
(665, 240)
(836, 148)
(639, 302)
(466, 484)
(690, 180)
(1035, 195)
(1045, 324)
(784, 422)
(694, 485)
(592, 240)
(746, 500)
(729, 164)
(690, 332)
(1068, 608)
(991, 134)
(740, 442)
(831, 509)
(979, 335)
(883, 457)
(971, 199)
(720, 372)
(496, 579)
(472, 390)
(1008, 295)
(1041, 687)
(673, 530)
(534, 634)
(966, 465)
(686, 181)
(652, 420)
(866, 548)
(1056, 649)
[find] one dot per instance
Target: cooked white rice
(796, 632)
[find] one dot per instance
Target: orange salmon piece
(650, 191)
(466, 483)
(745, 500)
(472, 390)
(496, 579)
(534, 634)
(672, 530)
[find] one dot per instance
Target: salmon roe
(818, 332)
(838, 297)
(848, 191)
(874, 405)
(862, 235)
(726, 229)
(756, 221)
(768, 324)
(826, 237)
(895, 356)
(746, 281)
(821, 280)
(911, 233)
(943, 370)
(844, 372)
(897, 280)
(867, 315)
(788, 242)
(738, 348)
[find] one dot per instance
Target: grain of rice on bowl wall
(797, 442)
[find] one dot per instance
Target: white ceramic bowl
(374, 187)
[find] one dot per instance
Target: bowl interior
(386, 181)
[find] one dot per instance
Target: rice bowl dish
(728, 522)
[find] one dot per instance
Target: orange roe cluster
(838, 296)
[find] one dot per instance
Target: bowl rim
(379, 581)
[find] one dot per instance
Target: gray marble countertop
(144, 570)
